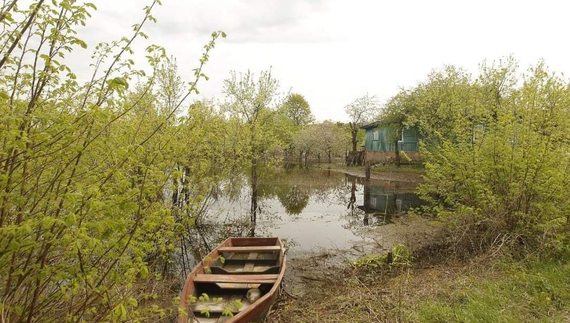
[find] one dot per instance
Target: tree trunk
(397, 153)
(354, 140)
(396, 148)
(254, 193)
(329, 154)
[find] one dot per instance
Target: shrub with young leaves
(498, 150)
(83, 169)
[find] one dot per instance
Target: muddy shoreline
(412, 231)
(327, 270)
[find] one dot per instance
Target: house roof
(370, 125)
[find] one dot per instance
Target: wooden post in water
(367, 170)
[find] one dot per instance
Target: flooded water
(308, 209)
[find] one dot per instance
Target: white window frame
(375, 134)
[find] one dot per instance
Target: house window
(401, 139)
(375, 135)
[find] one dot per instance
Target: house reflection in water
(383, 203)
(381, 199)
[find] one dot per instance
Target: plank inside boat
(245, 256)
(242, 279)
(249, 248)
(247, 263)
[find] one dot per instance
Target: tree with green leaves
(255, 102)
(83, 170)
(298, 110)
(498, 154)
(396, 116)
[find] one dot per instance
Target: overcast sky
(334, 51)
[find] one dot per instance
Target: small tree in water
(255, 103)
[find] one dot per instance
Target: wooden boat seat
(248, 263)
(249, 249)
(244, 270)
(241, 279)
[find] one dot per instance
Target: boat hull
(226, 274)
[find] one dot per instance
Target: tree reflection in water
(323, 202)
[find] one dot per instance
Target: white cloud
(333, 51)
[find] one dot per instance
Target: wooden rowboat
(235, 283)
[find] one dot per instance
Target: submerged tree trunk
(254, 192)
(352, 195)
(367, 206)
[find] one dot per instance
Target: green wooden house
(379, 146)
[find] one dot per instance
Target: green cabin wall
(410, 142)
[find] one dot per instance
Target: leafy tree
(445, 99)
(171, 88)
(298, 110)
(359, 112)
(83, 170)
(396, 116)
(499, 163)
(332, 140)
(255, 103)
(306, 141)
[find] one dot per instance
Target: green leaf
(204, 297)
(118, 82)
(144, 271)
(227, 312)
(237, 304)
(132, 302)
(4, 95)
(120, 312)
(81, 43)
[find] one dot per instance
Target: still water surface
(312, 209)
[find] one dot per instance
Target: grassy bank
(532, 291)
(479, 291)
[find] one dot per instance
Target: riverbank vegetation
(103, 178)
(433, 289)
(497, 161)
